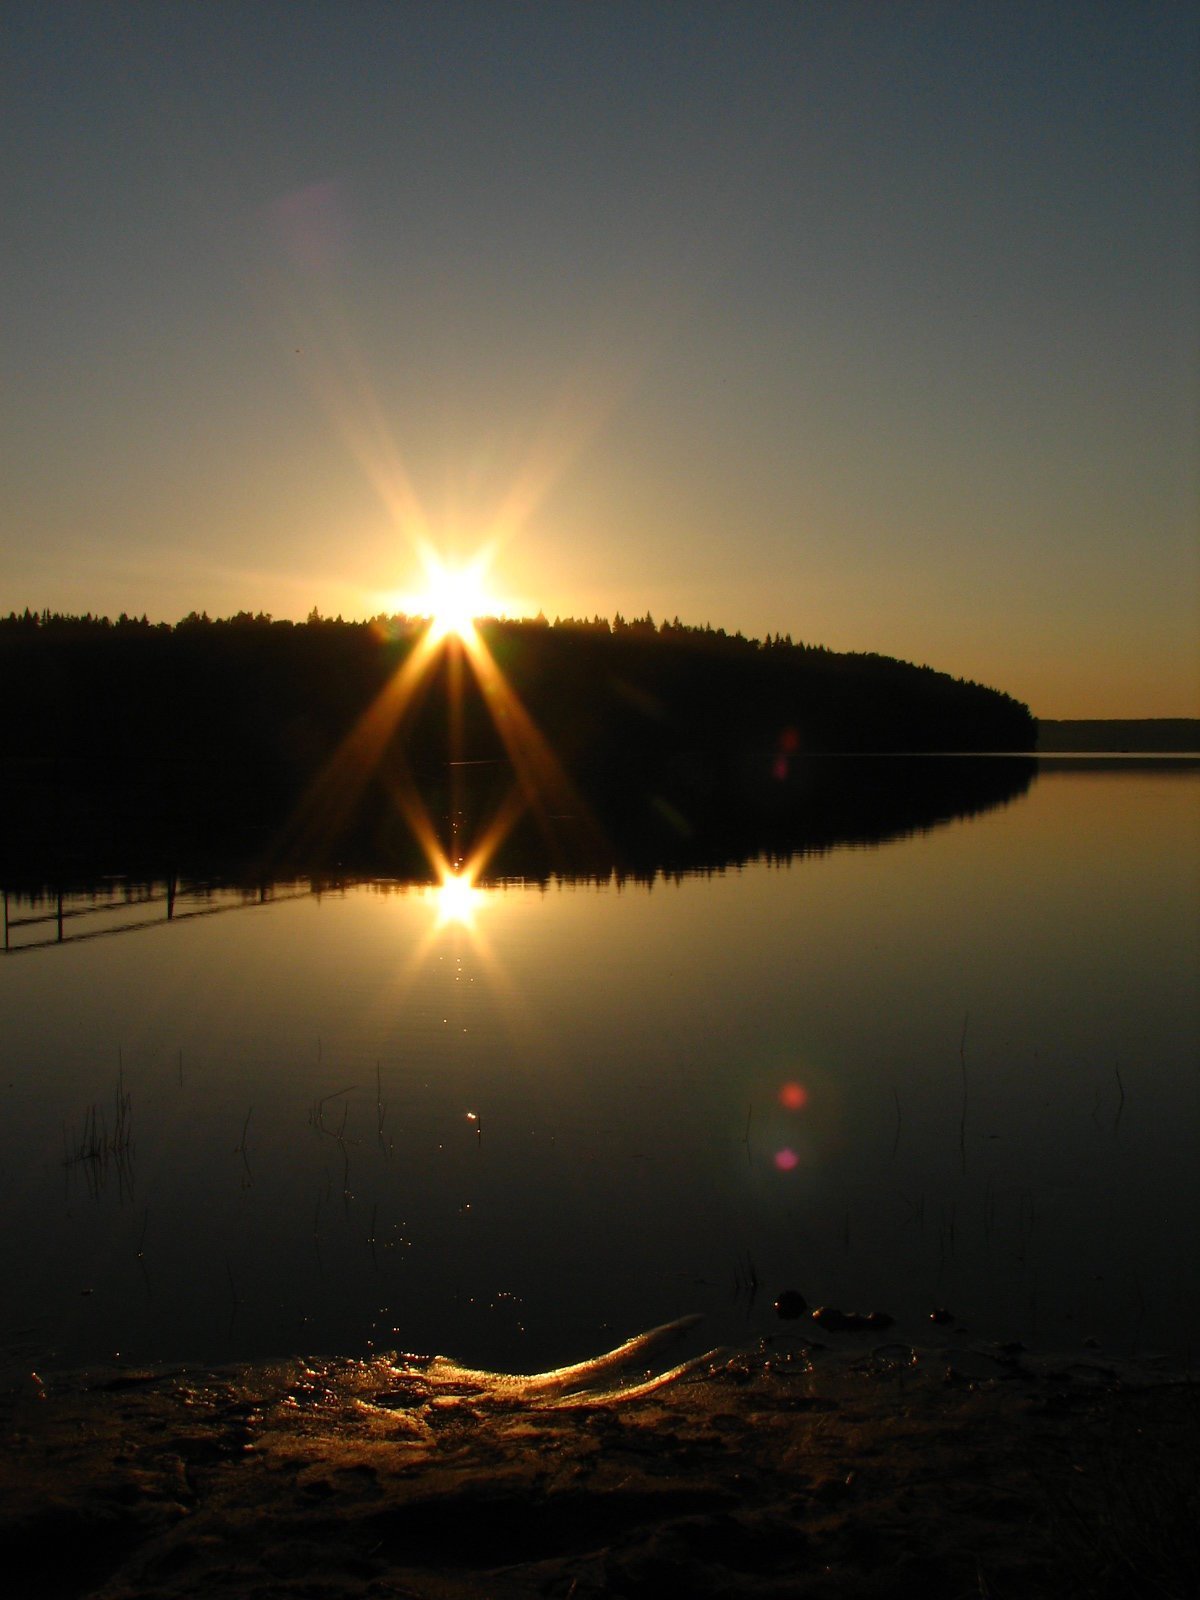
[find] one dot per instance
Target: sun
(454, 597)
(457, 899)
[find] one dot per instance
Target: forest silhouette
(623, 742)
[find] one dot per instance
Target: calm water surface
(955, 1069)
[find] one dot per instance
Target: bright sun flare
(454, 597)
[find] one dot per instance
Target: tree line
(238, 718)
(603, 692)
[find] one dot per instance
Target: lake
(517, 1123)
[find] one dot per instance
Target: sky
(876, 325)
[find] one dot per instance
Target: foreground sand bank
(790, 1470)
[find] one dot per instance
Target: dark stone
(790, 1305)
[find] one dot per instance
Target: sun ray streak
(545, 786)
(331, 798)
(368, 753)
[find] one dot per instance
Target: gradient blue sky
(875, 324)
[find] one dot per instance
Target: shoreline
(795, 1468)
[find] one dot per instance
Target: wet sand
(821, 1470)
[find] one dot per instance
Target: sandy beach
(795, 1469)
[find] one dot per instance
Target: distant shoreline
(1104, 736)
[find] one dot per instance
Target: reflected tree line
(682, 748)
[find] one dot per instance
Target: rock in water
(790, 1305)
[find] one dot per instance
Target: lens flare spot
(793, 1097)
(786, 1159)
